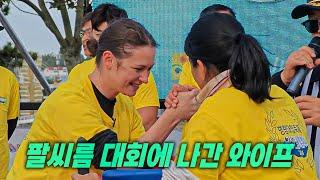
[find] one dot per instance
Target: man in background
(86, 33)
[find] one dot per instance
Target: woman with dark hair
(98, 103)
(241, 105)
(186, 77)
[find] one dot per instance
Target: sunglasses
(312, 26)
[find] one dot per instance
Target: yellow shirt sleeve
(74, 73)
(137, 129)
(128, 113)
(79, 118)
(186, 77)
(4, 146)
(82, 70)
(147, 94)
(14, 101)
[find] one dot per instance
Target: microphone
(294, 86)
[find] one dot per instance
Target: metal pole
(25, 54)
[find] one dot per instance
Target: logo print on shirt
(3, 100)
(301, 146)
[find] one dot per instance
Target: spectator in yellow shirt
(9, 112)
(146, 100)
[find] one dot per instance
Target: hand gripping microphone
(294, 86)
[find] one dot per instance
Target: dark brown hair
(86, 18)
(106, 13)
(220, 40)
(123, 34)
(215, 8)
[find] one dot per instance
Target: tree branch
(66, 21)
(47, 19)
(22, 9)
(79, 16)
(34, 7)
(50, 23)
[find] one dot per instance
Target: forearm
(161, 129)
(277, 80)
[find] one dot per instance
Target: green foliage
(49, 60)
(11, 57)
(69, 40)
(4, 6)
(59, 3)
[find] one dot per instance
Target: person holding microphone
(308, 98)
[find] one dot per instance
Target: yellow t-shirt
(229, 116)
(9, 109)
(186, 77)
(147, 94)
(70, 112)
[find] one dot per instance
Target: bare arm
(162, 128)
(171, 117)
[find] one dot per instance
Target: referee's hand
(310, 109)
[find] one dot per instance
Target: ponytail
(249, 68)
(220, 40)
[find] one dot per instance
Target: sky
(31, 30)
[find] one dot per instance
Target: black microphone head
(315, 44)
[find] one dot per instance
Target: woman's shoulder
(232, 96)
(5, 71)
(277, 91)
(280, 96)
(7, 75)
(231, 101)
(226, 103)
(227, 97)
(69, 93)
